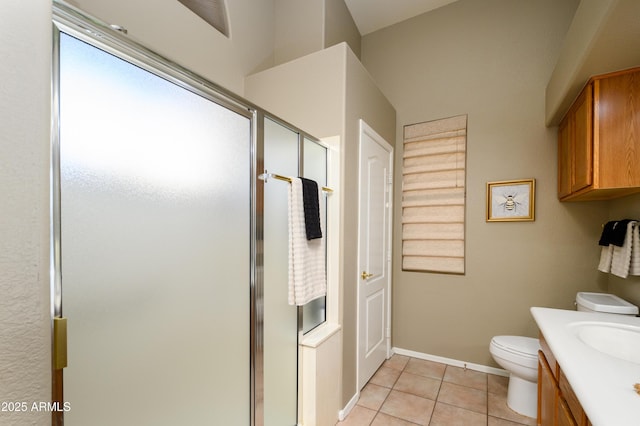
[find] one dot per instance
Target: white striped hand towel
(307, 275)
(606, 254)
(635, 251)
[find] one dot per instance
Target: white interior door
(374, 257)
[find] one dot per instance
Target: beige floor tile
(466, 377)
(372, 396)
(449, 415)
(425, 368)
(425, 387)
(494, 421)
(498, 408)
(497, 384)
(410, 391)
(359, 416)
(386, 420)
(397, 362)
(463, 397)
(408, 407)
(385, 376)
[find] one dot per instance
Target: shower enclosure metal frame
(76, 23)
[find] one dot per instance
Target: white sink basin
(620, 341)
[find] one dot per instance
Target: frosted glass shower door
(156, 247)
(281, 154)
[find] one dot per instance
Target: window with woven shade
(433, 195)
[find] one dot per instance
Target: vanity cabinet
(599, 140)
(557, 403)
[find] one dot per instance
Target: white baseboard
(342, 414)
(452, 362)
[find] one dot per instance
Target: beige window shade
(433, 195)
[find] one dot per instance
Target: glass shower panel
(280, 319)
(155, 269)
(315, 167)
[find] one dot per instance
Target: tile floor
(411, 391)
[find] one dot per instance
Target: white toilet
(519, 355)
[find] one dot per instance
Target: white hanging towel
(307, 275)
(606, 255)
(635, 251)
(621, 259)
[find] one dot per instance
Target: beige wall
(285, 91)
(298, 28)
(491, 60)
(25, 72)
(170, 29)
(312, 25)
(339, 26)
(568, 76)
(604, 36)
(263, 33)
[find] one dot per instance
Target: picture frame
(511, 200)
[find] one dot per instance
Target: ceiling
(371, 15)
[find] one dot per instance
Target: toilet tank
(604, 302)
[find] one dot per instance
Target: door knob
(364, 275)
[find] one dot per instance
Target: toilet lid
(605, 302)
(520, 345)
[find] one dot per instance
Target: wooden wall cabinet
(599, 140)
(557, 403)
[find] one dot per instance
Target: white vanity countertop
(602, 383)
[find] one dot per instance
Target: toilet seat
(520, 346)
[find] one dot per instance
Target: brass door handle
(59, 343)
(364, 275)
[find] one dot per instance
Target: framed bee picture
(511, 200)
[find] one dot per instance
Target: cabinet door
(572, 400)
(582, 113)
(564, 158)
(618, 118)
(564, 416)
(547, 393)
